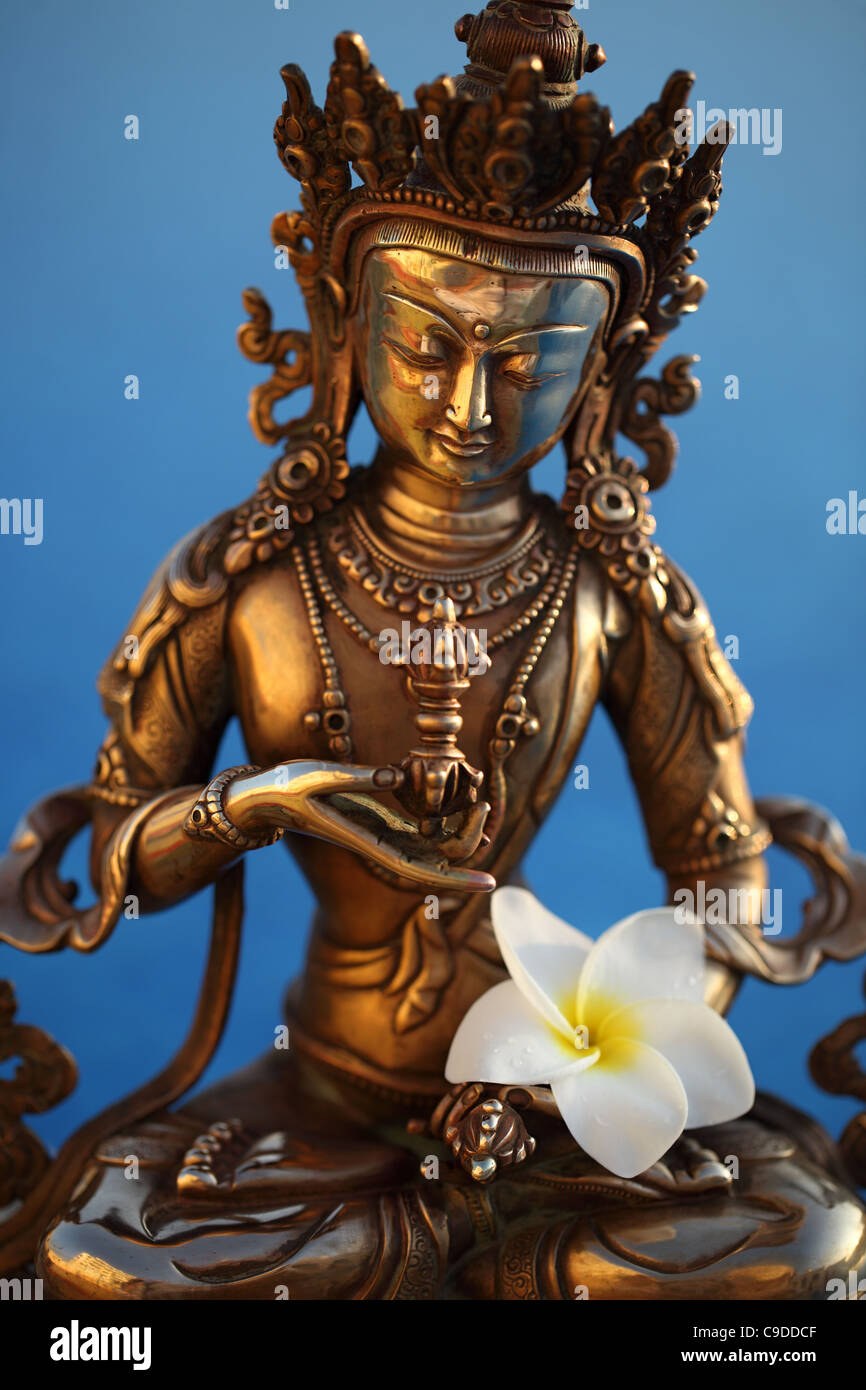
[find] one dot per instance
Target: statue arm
(680, 713)
(168, 714)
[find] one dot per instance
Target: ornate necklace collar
(403, 589)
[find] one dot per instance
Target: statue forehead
(461, 288)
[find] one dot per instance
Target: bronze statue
(413, 650)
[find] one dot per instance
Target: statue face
(469, 374)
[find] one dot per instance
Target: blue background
(129, 257)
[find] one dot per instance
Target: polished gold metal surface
(414, 651)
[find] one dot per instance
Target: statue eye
(520, 370)
(523, 379)
(416, 359)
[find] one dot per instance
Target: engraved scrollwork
(835, 1067)
(682, 212)
(692, 201)
(288, 351)
(718, 837)
(607, 498)
(644, 161)
(422, 1268)
(45, 1076)
(367, 122)
(677, 291)
(304, 145)
(517, 1268)
(512, 155)
(306, 479)
(37, 911)
(111, 780)
(649, 399)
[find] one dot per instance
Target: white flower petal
(504, 1039)
(544, 955)
(701, 1047)
(652, 955)
(625, 1111)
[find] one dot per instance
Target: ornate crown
(508, 160)
(511, 141)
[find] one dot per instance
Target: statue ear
(333, 303)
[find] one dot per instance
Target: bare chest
(307, 684)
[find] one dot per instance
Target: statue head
(499, 272)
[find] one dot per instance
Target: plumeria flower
(617, 1028)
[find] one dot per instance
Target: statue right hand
(336, 802)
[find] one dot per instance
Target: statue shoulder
(647, 593)
(187, 595)
(189, 599)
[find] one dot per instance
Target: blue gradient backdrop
(122, 257)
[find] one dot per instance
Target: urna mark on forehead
(469, 296)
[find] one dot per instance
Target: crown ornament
(512, 139)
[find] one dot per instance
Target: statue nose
(468, 406)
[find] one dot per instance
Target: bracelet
(208, 820)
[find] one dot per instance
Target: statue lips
(471, 447)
